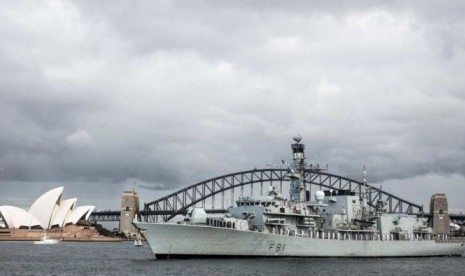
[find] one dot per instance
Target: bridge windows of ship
(221, 223)
(254, 203)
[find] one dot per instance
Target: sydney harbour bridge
(215, 194)
(218, 193)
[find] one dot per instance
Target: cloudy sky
(102, 97)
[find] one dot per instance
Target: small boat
(137, 243)
(46, 240)
(137, 239)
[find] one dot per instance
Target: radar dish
(297, 138)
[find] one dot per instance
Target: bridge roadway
(110, 215)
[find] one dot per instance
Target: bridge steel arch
(211, 194)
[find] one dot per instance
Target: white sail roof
(47, 211)
(79, 213)
(43, 207)
(64, 209)
(16, 217)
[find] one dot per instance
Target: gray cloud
(173, 93)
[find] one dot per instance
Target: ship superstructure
(333, 223)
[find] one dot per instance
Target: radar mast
(296, 174)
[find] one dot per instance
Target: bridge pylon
(129, 209)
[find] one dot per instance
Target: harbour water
(68, 258)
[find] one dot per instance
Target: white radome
(297, 138)
(319, 196)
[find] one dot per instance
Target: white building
(47, 211)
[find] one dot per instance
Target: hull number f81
(277, 247)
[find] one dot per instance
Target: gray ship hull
(184, 240)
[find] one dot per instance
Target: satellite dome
(297, 138)
(272, 190)
(319, 196)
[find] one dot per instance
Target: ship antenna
(364, 175)
(365, 200)
(298, 191)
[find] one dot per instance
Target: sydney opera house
(61, 218)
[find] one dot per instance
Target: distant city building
(47, 212)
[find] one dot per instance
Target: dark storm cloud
(165, 94)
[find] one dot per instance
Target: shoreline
(93, 239)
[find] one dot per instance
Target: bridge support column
(440, 221)
(129, 209)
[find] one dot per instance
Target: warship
(335, 224)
